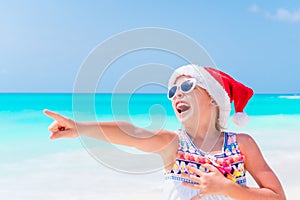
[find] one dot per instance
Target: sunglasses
(186, 86)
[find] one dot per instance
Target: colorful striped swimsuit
(230, 162)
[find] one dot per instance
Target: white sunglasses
(186, 86)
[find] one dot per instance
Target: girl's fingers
(55, 135)
(210, 167)
(59, 118)
(58, 135)
(196, 171)
(63, 134)
(53, 127)
(200, 196)
(191, 177)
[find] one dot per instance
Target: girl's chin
(184, 117)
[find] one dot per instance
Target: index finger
(195, 170)
(54, 115)
(210, 167)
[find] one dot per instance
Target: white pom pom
(240, 119)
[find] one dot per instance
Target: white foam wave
(289, 97)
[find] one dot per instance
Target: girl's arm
(122, 133)
(255, 164)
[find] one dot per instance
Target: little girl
(201, 160)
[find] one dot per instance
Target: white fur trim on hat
(240, 119)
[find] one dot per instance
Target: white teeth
(182, 104)
(182, 107)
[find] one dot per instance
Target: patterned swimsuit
(230, 163)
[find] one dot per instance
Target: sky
(43, 44)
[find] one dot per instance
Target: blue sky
(44, 43)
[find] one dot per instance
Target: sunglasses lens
(187, 85)
(172, 92)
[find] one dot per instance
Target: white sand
(153, 195)
(292, 193)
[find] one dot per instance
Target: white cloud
(285, 15)
(254, 8)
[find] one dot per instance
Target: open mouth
(182, 107)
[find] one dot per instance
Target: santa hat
(222, 88)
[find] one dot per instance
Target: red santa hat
(222, 88)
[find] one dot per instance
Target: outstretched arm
(122, 133)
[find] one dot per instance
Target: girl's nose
(179, 94)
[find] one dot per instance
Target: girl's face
(191, 106)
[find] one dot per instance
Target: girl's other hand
(212, 182)
(62, 127)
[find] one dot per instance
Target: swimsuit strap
(231, 146)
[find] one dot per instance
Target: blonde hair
(217, 124)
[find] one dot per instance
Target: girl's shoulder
(243, 138)
(246, 142)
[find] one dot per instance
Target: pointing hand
(62, 127)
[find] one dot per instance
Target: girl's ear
(212, 102)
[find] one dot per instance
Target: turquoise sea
(34, 167)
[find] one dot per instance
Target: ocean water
(34, 167)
